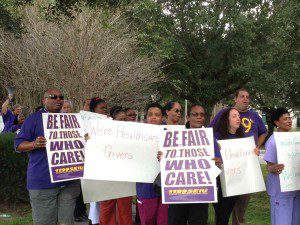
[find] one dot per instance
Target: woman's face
(101, 108)
(121, 116)
(66, 108)
(284, 123)
(234, 119)
(174, 114)
(154, 116)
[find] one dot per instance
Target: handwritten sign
(129, 131)
(187, 172)
(65, 145)
(288, 153)
(96, 190)
(87, 116)
(241, 173)
(120, 159)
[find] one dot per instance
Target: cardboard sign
(119, 159)
(241, 173)
(288, 153)
(95, 190)
(65, 145)
(188, 173)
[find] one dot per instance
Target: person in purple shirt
(151, 209)
(9, 117)
(194, 213)
(285, 206)
(253, 126)
(17, 127)
(51, 203)
(228, 127)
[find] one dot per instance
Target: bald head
(53, 100)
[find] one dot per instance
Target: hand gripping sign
(188, 173)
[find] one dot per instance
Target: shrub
(13, 171)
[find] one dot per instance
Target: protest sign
(96, 190)
(241, 172)
(87, 116)
(65, 145)
(188, 173)
(119, 159)
(129, 131)
(288, 153)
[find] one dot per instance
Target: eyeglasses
(198, 114)
(177, 110)
(60, 97)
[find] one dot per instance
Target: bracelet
(33, 145)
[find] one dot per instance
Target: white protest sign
(65, 145)
(119, 159)
(288, 153)
(188, 173)
(95, 190)
(173, 127)
(87, 116)
(241, 173)
(129, 131)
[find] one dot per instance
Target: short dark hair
(236, 94)
(277, 113)
(154, 105)
(115, 110)
(94, 102)
(192, 106)
(222, 126)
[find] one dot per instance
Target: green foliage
(212, 48)
(13, 171)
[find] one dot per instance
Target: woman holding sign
(108, 208)
(151, 209)
(96, 105)
(227, 127)
(285, 206)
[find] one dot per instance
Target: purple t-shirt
(273, 182)
(38, 176)
(8, 120)
(251, 121)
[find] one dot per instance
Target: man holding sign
(51, 203)
(285, 206)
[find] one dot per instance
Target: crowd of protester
(62, 202)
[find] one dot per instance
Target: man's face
(67, 108)
(197, 117)
(18, 111)
(53, 101)
(101, 108)
(154, 116)
(242, 101)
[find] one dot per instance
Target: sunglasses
(177, 110)
(60, 97)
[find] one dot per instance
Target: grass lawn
(258, 212)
